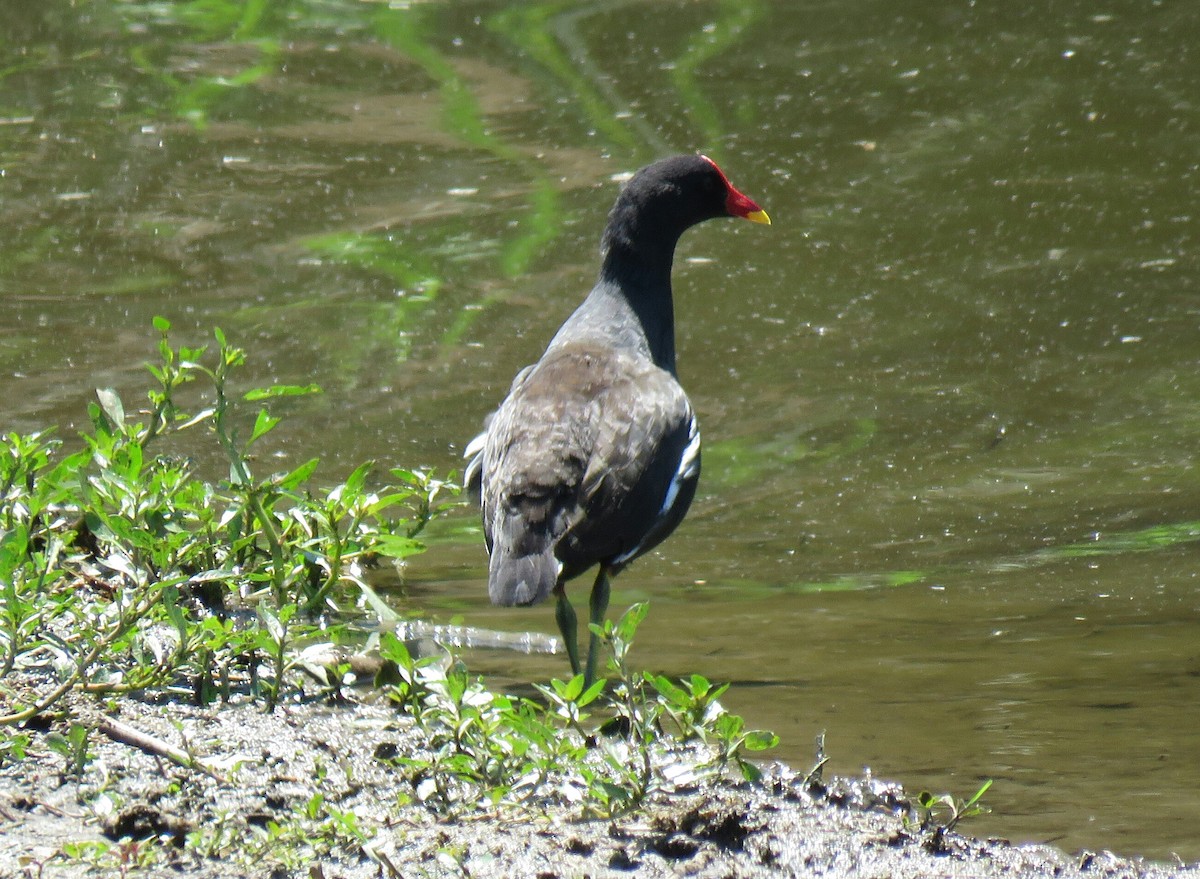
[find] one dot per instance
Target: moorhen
(594, 455)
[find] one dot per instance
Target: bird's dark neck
(636, 282)
(630, 307)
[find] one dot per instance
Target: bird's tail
(521, 574)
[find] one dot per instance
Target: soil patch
(326, 760)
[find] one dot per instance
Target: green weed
(944, 812)
(493, 749)
(121, 569)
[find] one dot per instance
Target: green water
(949, 513)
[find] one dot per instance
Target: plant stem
(127, 619)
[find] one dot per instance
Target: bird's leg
(598, 605)
(564, 615)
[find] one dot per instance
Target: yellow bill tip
(759, 216)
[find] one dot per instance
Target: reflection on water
(949, 508)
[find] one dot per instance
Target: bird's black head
(662, 200)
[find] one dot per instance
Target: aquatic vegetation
(463, 118)
(944, 812)
(740, 461)
(488, 749)
(160, 563)
(733, 18)
(542, 32)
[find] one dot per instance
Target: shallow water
(948, 512)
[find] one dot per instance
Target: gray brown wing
(643, 472)
(593, 457)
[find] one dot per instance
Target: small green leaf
(58, 743)
(161, 323)
(628, 624)
(614, 792)
(729, 726)
(978, 795)
(591, 693)
(14, 544)
(263, 425)
(170, 599)
(391, 647)
(409, 477)
(300, 475)
(388, 500)
(570, 690)
(111, 403)
(355, 481)
(256, 394)
(276, 625)
(760, 740)
(397, 546)
(675, 695)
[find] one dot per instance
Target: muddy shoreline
(265, 767)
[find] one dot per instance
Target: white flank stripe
(475, 446)
(474, 451)
(686, 469)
